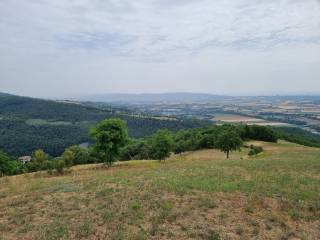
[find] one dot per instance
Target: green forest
(27, 124)
(111, 143)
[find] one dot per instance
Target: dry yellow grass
(195, 195)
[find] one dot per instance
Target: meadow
(194, 195)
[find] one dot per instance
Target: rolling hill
(27, 124)
(195, 195)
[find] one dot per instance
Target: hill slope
(27, 124)
(196, 195)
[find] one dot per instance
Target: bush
(59, 165)
(39, 161)
(187, 140)
(68, 158)
(255, 150)
(136, 149)
(9, 165)
(81, 155)
(161, 144)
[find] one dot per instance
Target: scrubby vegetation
(255, 150)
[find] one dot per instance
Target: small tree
(68, 157)
(162, 144)
(81, 155)
(229, 141)
(39, 161)
(59, 165)
(110, 135)
(9, 165)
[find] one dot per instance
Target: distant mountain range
(183, 97)
(179, 97)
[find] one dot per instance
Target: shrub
(68, 158)
(255, 150)
(39, 161)
(161, 144)
(136, 149)
(9, 165)
(59, 165)
(81, 155)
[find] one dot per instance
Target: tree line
(111, 142)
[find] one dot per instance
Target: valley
(291, 111)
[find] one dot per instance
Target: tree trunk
(228, 152)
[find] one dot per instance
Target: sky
(70, 48)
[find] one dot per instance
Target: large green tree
(229, 141)
(109, 135)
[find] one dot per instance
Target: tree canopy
(229, 141)
(161, 144)
(9, 165)
(109, 135)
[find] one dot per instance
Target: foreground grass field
(196, 195)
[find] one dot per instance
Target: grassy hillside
(196, 195)
(27, 124)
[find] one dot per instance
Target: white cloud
(156, 42)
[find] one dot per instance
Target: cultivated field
(233, 118)
(197, 195)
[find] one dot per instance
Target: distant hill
(185, 97)
(26, 107)
(27, 124)
(152, 98)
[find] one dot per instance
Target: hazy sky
(79, 47)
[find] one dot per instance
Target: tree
(9, 165)
(229, 141)
(81, 155)
(39, 161)
(187, 140)
(161, 144)
(257, 132)
(135, 149)
(68, 158)
(59, 165)
(109, 135)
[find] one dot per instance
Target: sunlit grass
(192, 195)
